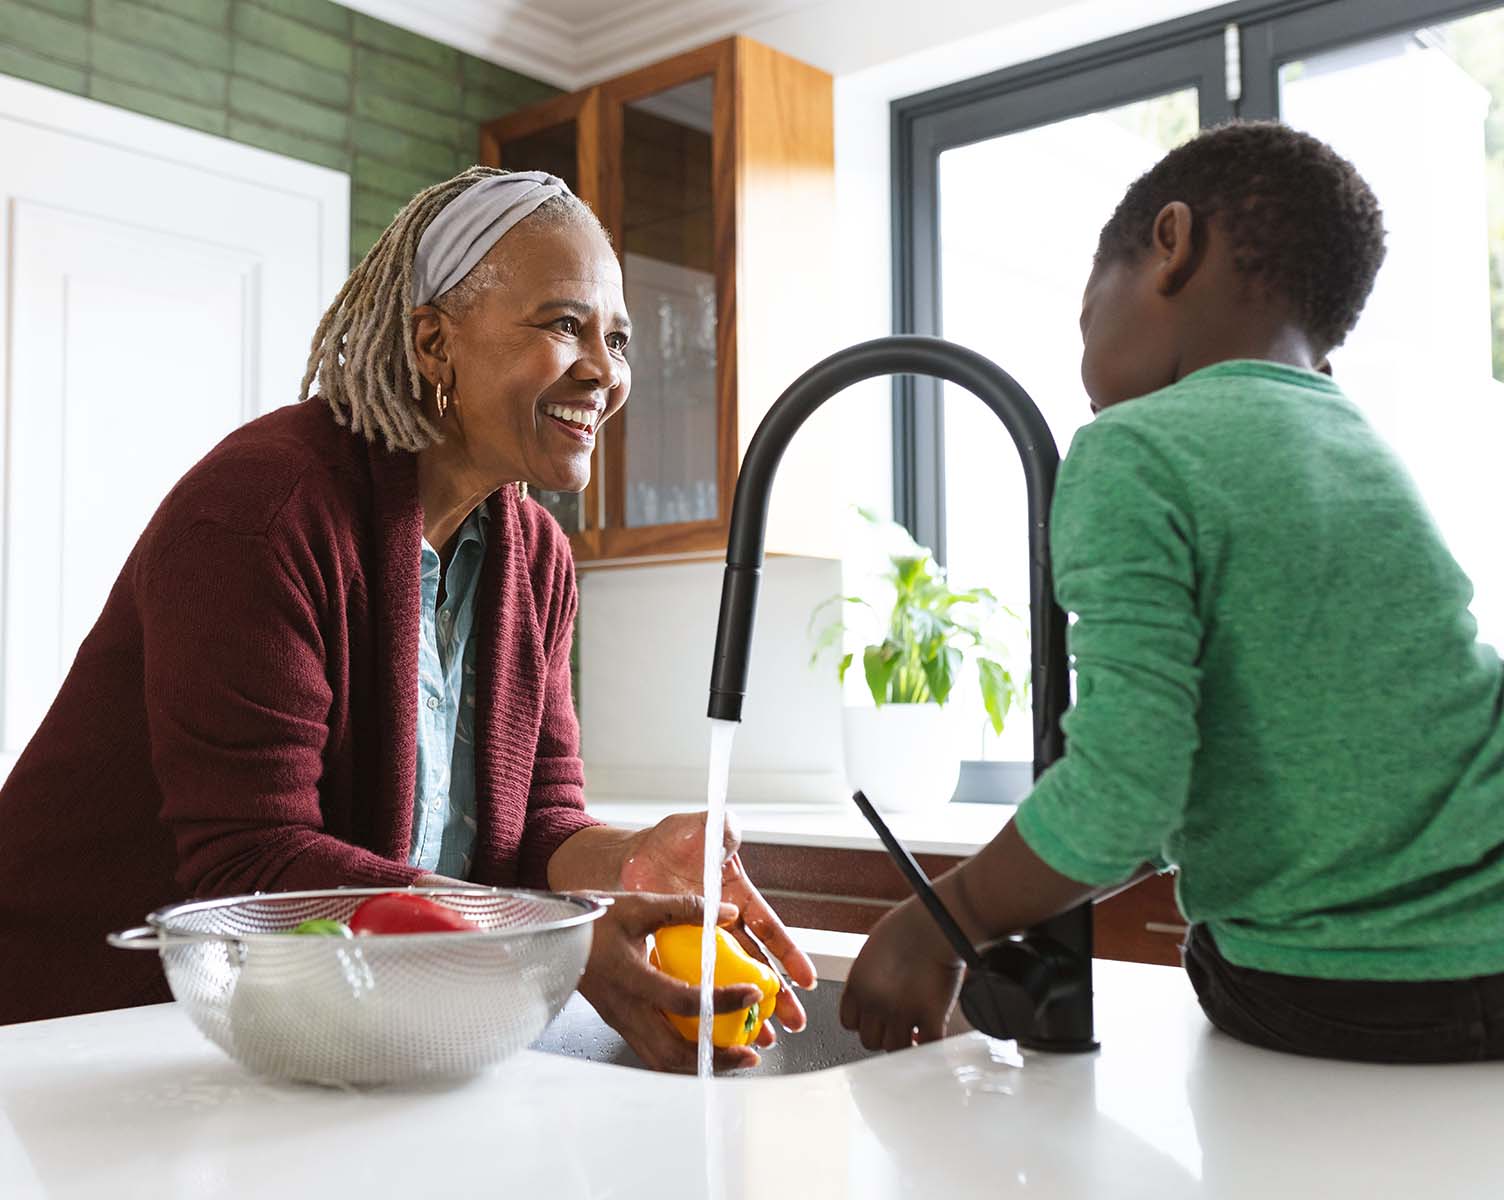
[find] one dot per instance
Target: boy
(1279, 687)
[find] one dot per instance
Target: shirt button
(433, 702)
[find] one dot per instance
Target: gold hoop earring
(440, 399)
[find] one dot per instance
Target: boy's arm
(1125, 566)
(1097, 820)
(906, 978)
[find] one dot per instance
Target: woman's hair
(1302, 222)
(362, 352)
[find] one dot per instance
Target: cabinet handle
(1161, 927)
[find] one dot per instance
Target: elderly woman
(339, 653)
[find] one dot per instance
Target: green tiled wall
(306, 78)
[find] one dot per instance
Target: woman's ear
(1173, 243)
(431, 345)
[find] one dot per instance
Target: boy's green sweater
(1279, 687)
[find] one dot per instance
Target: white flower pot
(903, 756)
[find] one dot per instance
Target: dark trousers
(1451, 1020)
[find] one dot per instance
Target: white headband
(474, 221)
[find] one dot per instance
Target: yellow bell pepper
(676, 952)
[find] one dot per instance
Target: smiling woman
(339, 653)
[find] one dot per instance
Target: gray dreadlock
(362, 352)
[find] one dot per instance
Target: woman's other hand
(669, 858)
(903, 984)
(631, 995)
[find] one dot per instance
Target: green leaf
(997, 691)
(878, 663)
(827, 602)
(842, 669)
(909, 570)
(940, 672)
(979, 597)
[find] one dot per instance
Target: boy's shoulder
(1237, 380)
(1226, 398)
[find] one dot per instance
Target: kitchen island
(136, 1104)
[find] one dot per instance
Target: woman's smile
(578, 423)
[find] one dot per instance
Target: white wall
(646, 640)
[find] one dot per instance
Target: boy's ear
(1174, 244)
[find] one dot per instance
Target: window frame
(1189, 51)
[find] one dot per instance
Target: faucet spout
(898, 355)
(1058, 983)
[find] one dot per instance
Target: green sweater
(1279, 687)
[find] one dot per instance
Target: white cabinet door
(160, 289)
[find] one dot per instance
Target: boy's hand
(904, 982)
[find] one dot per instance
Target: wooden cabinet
(713, 172)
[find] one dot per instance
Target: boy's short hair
(1301, 220)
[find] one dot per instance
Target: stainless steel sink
(580, 1033)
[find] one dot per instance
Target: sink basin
(579, 1032)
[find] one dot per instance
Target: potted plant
(902, 752)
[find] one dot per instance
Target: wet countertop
(136, 1103)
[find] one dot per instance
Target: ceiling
(576, 42)
(571, 43)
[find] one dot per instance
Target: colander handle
(146, 937)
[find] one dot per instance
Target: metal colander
(370, 1009)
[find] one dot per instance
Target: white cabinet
(160, 288)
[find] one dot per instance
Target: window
(1002, 183)
(1417, 111)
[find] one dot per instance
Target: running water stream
(721, 735)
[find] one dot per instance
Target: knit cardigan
(242, 717)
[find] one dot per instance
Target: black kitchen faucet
(1035, 987)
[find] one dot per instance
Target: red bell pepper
(400, 912)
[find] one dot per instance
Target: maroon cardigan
(243, 715)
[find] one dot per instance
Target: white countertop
(136, 1104)
(960, 829)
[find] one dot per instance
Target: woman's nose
(597, 365)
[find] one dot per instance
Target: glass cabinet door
(555, 150)
(662, 455)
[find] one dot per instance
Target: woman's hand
(631, 995)
(670, 858)
(904, 982)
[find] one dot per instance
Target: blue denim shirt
(444, 798)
